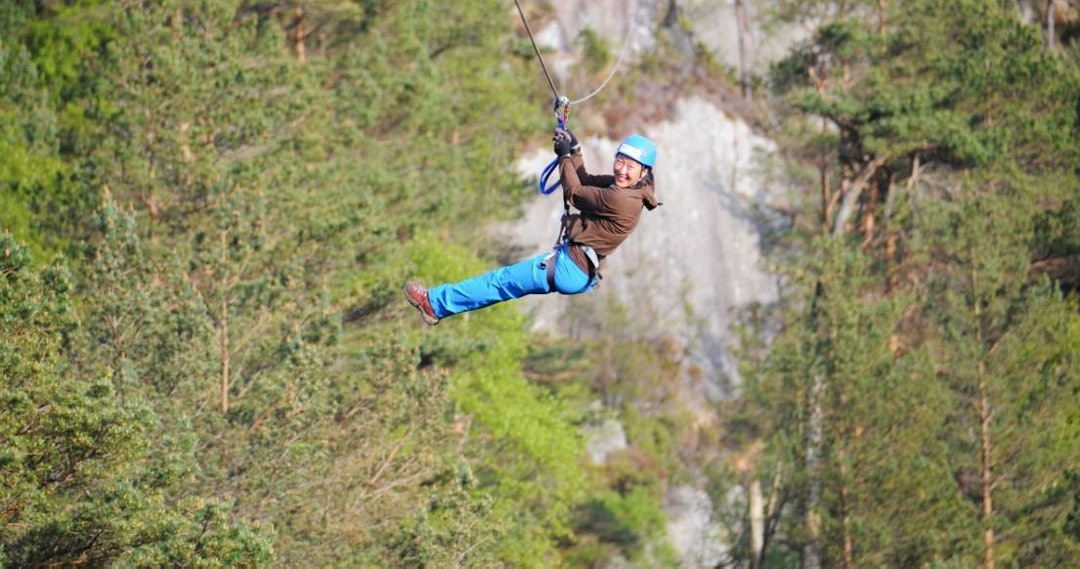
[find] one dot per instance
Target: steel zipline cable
(618, 62)
(543, 66)
(536, 49)
(561, 104)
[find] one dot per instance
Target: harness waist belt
(590, 254)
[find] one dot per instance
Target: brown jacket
(607, 214)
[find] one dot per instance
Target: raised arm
(583, 190)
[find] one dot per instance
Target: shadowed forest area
(208, 207)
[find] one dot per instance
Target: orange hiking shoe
(417, 296)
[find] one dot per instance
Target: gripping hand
(565, 142)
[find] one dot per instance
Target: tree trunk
(811, 557)
(757, 523)
(845, 514)
(826, 193)
(852, 192)
(883, 8)
(1050, 6)
(299, 34)
(224, 347)
(987, 477)
(223, 339)
(827, 197)
(743, 26)
(985, 459)
(672, 16)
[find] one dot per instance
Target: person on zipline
(609, 207)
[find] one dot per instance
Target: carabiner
(561, 107)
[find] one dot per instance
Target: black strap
(551, 270)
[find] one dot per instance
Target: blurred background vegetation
(207, 209)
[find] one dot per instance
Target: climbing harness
(561, 104)
(563, 249)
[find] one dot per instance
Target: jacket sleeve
(583, 190)
(587, 179)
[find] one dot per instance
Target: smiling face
(627, 171)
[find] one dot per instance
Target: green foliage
(28, 139)
(45, 92)
(187, 543)
(452, 529)
(630, 377)
(630, 521)
(596, 56)
(963, 84)
(251, 200)
(83, 482)
(296, 436)
(1057, 231)
(407, 88)
(1005, 344)
(832, 369)
(233, 326)
(624, 515)
(61, 41)
(538, 461)
(911, 361)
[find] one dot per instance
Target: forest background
(208, 208)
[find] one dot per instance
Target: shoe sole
(416, 305)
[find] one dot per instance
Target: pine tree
(28, 140)
(1001, 344)
(263, 216)
(941, 167)
(84, 482)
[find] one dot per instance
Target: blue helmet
(638, 148)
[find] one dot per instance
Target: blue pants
(512, 281)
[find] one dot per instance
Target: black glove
(574, 144)
(565, 142)
(563, 147)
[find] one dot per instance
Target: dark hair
(646, 178)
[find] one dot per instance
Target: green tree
(83, 482)
(240, 284)
(912, 99)
(945, 136)
(47, 92)
(261, 318)
(331, 462)
(522, 440)
(848, 423)
(265, 214)
(29, 164)
(1003, 344)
